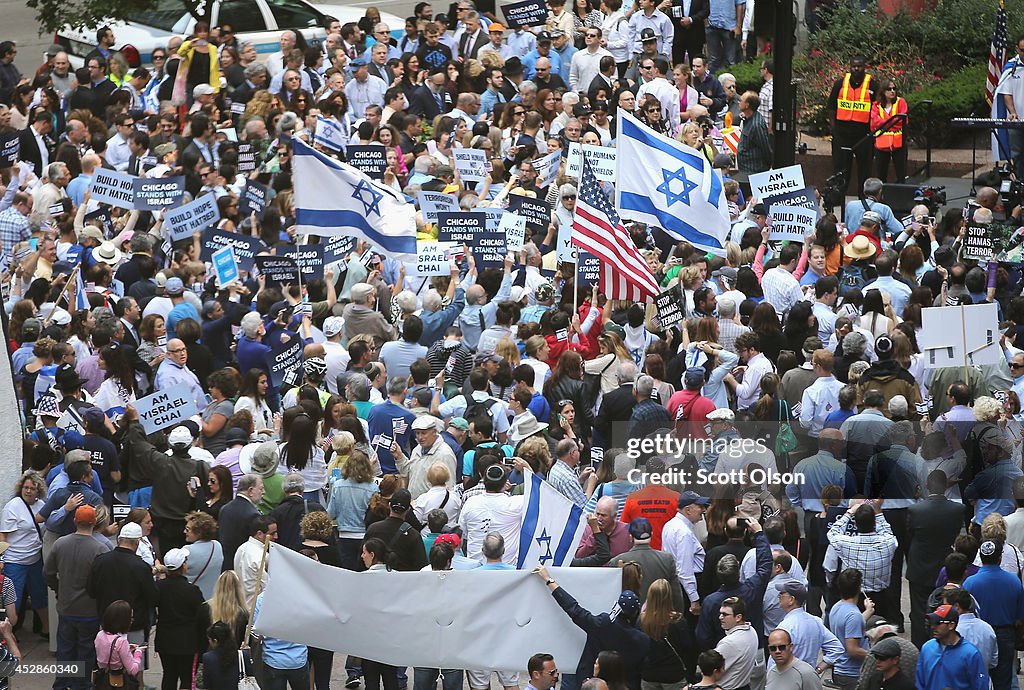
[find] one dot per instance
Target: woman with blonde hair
(993, 528)
(536, 451)
(988, 409)
(537, 353)
(23, 560)
(228, 604)
(439, 495)
(673, 653)
(606, 364)
(342, 445)
(506, 349)
(350, 504)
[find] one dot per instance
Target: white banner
(601, 157)
(471, 164)
(431, 619)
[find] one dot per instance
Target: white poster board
(960, 336)
(791, 223)
(774, 182)
(601, 158)
(471, 164)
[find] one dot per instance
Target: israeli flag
(330, 134)
(669, 185)
(333, 199)
(552, 526)
(81, 297)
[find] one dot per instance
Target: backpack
(852, 277)
(477, 408)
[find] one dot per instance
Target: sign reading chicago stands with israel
(284, 357)
(246, 248)
(461, 227)
(158, 193)
(525, 13)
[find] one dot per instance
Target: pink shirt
(121, 658)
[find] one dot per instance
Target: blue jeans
(281, 678)
(28, 577)
(76, 638)
(426, 678)
(723, 48)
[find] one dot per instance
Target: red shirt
(694, 407)
(657, 503)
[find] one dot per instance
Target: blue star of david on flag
(371, 206)
(544, 541)
(666, 186)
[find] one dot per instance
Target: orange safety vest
(892, 139)
(854, 106)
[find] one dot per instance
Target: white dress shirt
(678, 539)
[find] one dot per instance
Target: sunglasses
(777, 647)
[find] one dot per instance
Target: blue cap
(357, 62)
(688, 498)
(72, 440)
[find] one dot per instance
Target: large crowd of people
(402, 439)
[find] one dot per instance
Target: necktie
(440, 103)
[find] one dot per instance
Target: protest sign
(525, 13)
(114, 188)
(471, 164)
(284, 357)
(166, 408)
(278, 269)
(567, 251)
(978, 242)
(255, 197)
(224, 265)
(461, 227)
(602, 158)
(774, 182)
(432, 259)
(246, 157)
(192, 217)
(791, 223)
(10, 146)
(513, 227)
(371, 159)
(588, 270)
(338, 248)
(492, 217)
(246, 248)
(488, 250)
(547, 168)
(960, 336)
(536, 211)
(102, 215)
(804, 198)
(310, 259)
(669, 305)
(432, 203)
(158, 193)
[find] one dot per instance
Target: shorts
(28, 577)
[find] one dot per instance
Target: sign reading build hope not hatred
(192, 217)
(791, 223)
(165, 408)
(114, 188)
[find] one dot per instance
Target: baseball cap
(580, 110)
(360, 291)
(544, 37)
(759, 210)
(459, 423)
(870, 218)
(694, 378)
(722, 160)
(236, 436)
(944, 614)
(688, 498)
(722, 414)
(85, 515)
(450, 539)
(495, 27)
(640, 529)
(402, 500)
(544, 292)
(175, 558)
(131, 530)
(557, 33)
(202, 90)
(333, 326)
(628, 606)
(357, 62)
(886, 649)
(612, 327)
(31, 327)
(648, 35)
(794, 588)
(163, 149)
(180, 436)
(174, 286)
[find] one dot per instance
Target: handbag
(785, 440)
(108, 678)
(246, 681)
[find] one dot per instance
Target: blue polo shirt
(999, 595)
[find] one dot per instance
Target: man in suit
(431, 99)
(688, 17)
(616, 407)
(236, 517)
(932, 525)
(379, 63)
(140, 157)
(35, 144)
(654, 565)
(128, 312)
(473, 38)
(255, 79)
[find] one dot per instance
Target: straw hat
(860, 247)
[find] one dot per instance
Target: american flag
(597, 229)
(996, 54)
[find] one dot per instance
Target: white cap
(175, 558)
(333, 326)
(131, 530)
(180, 435)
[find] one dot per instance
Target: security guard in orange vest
(889, 145)
(850, 113)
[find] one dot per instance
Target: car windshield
(163, 16)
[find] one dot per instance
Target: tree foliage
(54, 15)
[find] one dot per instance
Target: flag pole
(56, 302)
(576, 284)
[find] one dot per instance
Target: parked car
(257, 21)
